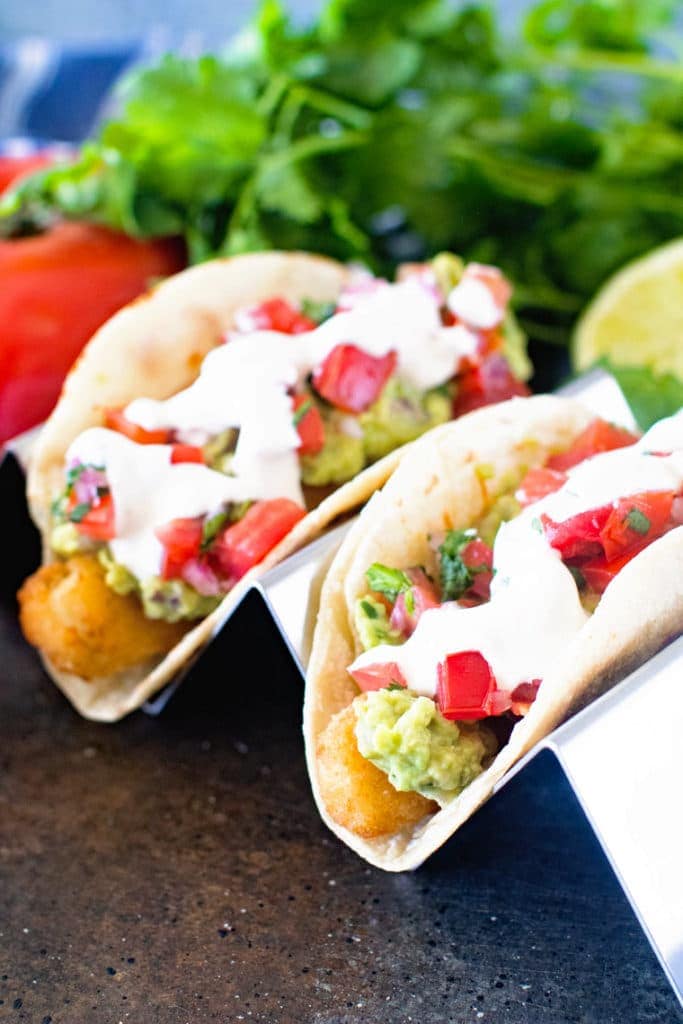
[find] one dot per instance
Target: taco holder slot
(626, 804)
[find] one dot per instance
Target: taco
(517, 563)
(176, 466)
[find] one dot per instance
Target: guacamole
(372, 623)
(406, 736)
(400, 414)
(171, 600)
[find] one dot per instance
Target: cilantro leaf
(386, 581)
(78, 513)
(211, 527)
(638, 521)
(455, 577)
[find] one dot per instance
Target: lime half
(636, 319)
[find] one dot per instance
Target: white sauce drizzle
(149, 491)
(535, 610)
(245, 384)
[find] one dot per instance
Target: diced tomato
(677, 510)
(280, 315)
(491, 381)
(310, 427)
(379, 676)
(599, 436)
(186, 453)
(478, 556)
(598, 572)
(98, 523)
(352, 379)
(580, 535)
(496, 282)
(246, 542)
(635, 519)
(48, 313)
(421, 596)
(539, 483)
(115, 419)
(181, 540)
(523, 696)
(466, 688)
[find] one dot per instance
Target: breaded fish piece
(357, 795)
(83, 626)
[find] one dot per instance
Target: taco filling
(174, 500)
(456, 649)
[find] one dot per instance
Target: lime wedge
(636, 319)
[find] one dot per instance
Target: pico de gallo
(453, 656)
(180, 498)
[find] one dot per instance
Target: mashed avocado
(504, 508)
(174, 600)
(339, 460)
(400, 414)
(171, 600)
(65, 540)
(116, 576)
(405, 736)
(372, 623)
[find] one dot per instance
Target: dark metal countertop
(174, 871)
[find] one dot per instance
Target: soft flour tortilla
(154, 348)
(435, 487)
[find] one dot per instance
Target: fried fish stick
(357, 795)
(83, 626)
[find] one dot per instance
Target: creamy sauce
(148, 491)
(472, 302)
(244, 384)
(535, 610)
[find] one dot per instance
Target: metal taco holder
(630, 802)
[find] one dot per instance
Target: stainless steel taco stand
(621, 755)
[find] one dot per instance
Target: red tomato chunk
(245, 543)
(352, 379)
(379, 676)
(466, 688)
(599, 436)
(116, 419)
(310, 426)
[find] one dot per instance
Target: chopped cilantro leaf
(211, 528)
(79, 512)
(638, 521)
(455, 577)
(369, 609)
(393, 685)
(390, 582)
(317, 311)
(301, 411)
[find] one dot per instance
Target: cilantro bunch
(387, 131)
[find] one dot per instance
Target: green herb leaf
(390, 582)
(455, 577)
(211, 528)
(369, 609)
(638, 521)
(78, 512)
(301, 411)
